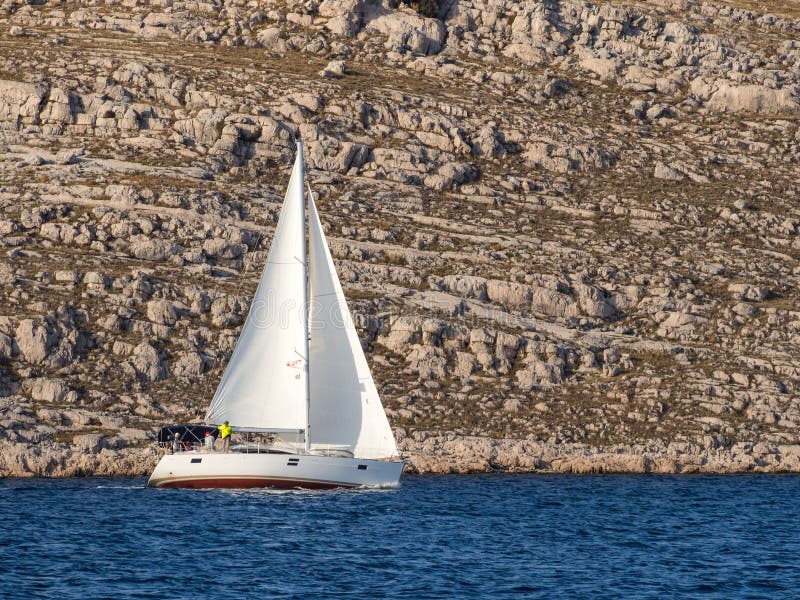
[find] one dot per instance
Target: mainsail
(264, 386)
(346, 409)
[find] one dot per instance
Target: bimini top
(195, 434)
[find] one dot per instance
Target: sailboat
(298, 376)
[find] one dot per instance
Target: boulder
(402, 332)
(272, 39)
(604, 68)
(508, 293)
(406, 31)
(538, 373)
(222, 248)
(68, 156)
(59, 110)
(746, 291)
(428, 362)
(754, 98)
(466, 364)
(467, 286)
(678, 33)
(344, 25)
(49, 390)
(162, 312)
(335, 68)
(95, 279)
(89, 442)
(156, 250)
(189, 364)
(526, 53)
(6, 347)
(67, 276)
(552, 303)
(35, 339)
(594, 302)
(147, 362)
(20, 102)
(662, 171)
(345, 17)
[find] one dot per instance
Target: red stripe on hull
(248, 483)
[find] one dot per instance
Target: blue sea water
(495, 536)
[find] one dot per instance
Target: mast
(305, 300)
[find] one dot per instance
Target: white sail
(345, 409)
(264, 386)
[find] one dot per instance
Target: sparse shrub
(218, 127)
(428, 8)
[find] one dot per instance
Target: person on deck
(176, 443)
(225, 431)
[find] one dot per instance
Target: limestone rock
(155, 250)
(605, 68)
(222, 248)
(19, 102)
(148, 363)
(746, 291)
(6, 347)
(335, 68)
(35, 339)
(406, 31)
(403, 331)
(754, 98)
(162, 312)
(594, 301)
(429, 362)
(50, 390)
(189, 364)
(663, 171)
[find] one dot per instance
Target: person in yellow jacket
(225, 431)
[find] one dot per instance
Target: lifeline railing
(262, 448)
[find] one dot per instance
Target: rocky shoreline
(447, 454)
(452, 454)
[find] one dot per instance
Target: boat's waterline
(235, 470)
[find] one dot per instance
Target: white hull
(239, 470)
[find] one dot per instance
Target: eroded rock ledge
(452, 454)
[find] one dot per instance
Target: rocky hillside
(570, 226)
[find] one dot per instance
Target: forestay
(264, 386)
